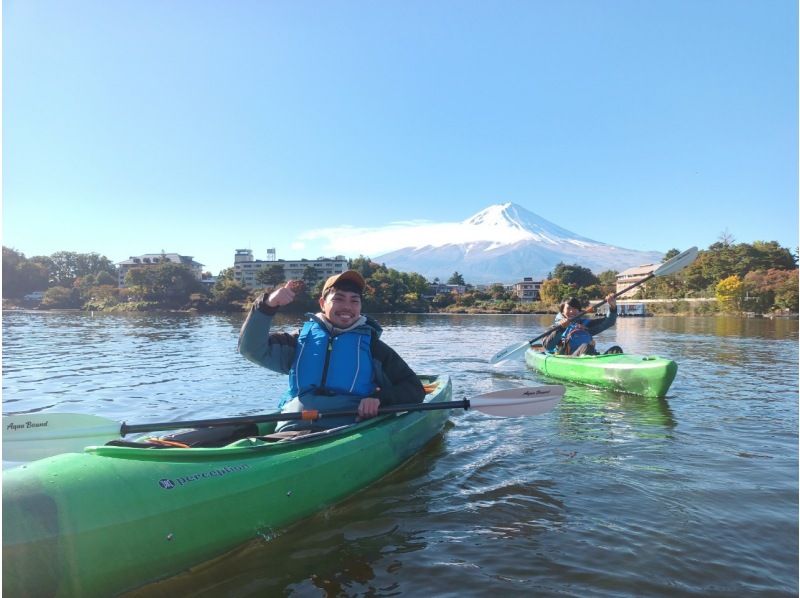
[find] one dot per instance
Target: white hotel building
(245, 267)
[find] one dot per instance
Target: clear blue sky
(200, 127)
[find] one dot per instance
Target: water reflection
(587, 412)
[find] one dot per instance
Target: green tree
(104, 278)
(574, 275)
(365, 266)
(385, 291)
(228, 293)
(769, 255)
(416, 283)
(66, 266)
(786, 295)
(442, 300)
(271, 276)
(498, 292)
(167, 283)
(226, 274)
(552, 291)
(22, 276)
(608, 281)
(311, 276)
(456, 278)
(61, 298)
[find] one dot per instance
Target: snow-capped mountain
(505, 243)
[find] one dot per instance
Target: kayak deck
(113, 518)
(646, 375)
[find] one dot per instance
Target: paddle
(30, 436)
(676, 264)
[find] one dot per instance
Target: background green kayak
(114, 518)
(645, 375)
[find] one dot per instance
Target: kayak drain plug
(170, 536)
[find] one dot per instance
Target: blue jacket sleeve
(598, 326)
(273, 351)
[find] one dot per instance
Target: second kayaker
(574, 336)
(336, 361)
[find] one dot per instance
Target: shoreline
(191, 311)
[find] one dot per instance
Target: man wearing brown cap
(336, 361)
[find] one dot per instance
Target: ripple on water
(607, 495)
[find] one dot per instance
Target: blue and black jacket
(330, 369)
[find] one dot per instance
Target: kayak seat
(211, 437)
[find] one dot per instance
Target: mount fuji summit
(505, 243)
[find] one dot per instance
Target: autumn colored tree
(730, 292)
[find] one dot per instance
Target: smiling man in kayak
(336, 362)
(574, 336)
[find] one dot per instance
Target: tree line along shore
(759, 278)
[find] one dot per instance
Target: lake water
(695, 494)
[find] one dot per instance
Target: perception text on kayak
(168, 484)
(29, 424)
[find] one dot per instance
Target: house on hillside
(154, 259)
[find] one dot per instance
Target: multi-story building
(527, 289)
(245, 267)
(154, 259)
(632, 275)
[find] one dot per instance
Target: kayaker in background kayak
(336, 362)
(574, 336)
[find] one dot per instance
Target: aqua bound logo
(26, 425)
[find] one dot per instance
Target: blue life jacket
(332, 365)
(575, 335)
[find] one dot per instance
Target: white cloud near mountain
(504, 242)
(353, 241)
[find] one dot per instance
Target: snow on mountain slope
(505, 243)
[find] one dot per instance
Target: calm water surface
(695, 494)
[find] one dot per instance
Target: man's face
(570, 312)
(342, 308)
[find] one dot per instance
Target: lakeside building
(154, 259)
(245, 266)
(633, 275)
(527, 289)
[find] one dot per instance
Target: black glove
(261, 305)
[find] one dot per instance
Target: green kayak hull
(645, 375)
(114, 518)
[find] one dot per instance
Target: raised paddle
(676, 264)
(30, 436)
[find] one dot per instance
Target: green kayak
(645, 375)
(114, 518)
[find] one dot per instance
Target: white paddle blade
(508, 352)
(31, 436)
(516, 402)
(678, 263)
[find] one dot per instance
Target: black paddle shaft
(126, 429)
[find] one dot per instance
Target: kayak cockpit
(227, 439)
